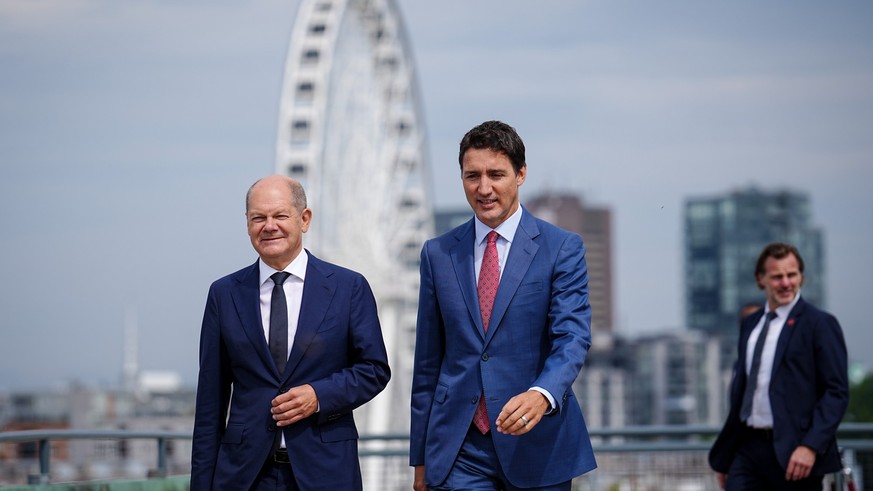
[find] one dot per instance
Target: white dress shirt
(762, 413)
(293, 288)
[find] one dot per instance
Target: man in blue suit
(503, 330)
(790, 389)
(289, 347)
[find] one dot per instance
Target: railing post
(162, 457)
(44, 449)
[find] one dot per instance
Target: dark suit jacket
(539, 335)
(809, 390)
(338, 350)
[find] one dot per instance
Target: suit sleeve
(832, 383)
(213, 395)
(367, 372)
(429, 349)
(569, 320)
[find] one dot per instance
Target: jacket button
(484, 356)
(271, 427)
(475, 399)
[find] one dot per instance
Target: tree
(861, 401)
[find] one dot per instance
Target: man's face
(491, 185)
(275, 227)
(781, 280)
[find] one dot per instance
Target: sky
(130, 131)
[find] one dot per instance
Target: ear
(520, 175)
(758, 278)
(305, 220)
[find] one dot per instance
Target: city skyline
(131, 132)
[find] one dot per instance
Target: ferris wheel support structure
(351, 130)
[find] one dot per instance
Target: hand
(721, 479)
(800, 464)
(296, 404)
(531, 404)
(418, 482)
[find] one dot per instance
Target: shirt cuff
(548, 397)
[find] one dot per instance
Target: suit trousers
(756, 468)
(478, 469)
(275, 476)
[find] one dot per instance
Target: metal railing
(643, 440)
(43, 438)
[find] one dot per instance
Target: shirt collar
(297, 268)
(783, 310)
(506, 229)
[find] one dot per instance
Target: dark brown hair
(496, 136)
(777, 250)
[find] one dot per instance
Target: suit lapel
(246, 299)
(465, 270)
(318, 291)
(521, 254)
(788, 330)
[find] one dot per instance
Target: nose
(269, 224)
(484, 186)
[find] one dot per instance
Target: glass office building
(724, 236)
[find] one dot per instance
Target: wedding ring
(524, 420)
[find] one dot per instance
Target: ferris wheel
(352, 132)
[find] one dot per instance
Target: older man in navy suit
(790, 390)
(503, 330)
(289, 347)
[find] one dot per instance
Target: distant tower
(724, 235)
(130, 363)
(594, 224)
(352, 131)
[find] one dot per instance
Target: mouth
(487, 203)
(785, 294)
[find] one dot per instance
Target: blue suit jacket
(809, 390)
(338, 350)
(539, 335)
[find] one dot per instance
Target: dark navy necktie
(752, 380)
(279, 321)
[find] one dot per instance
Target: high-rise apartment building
(724, 235)
(594, 224)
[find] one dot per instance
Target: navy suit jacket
(539, 335)
(809, 390)
(338, 350)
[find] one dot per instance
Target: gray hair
(298, 195)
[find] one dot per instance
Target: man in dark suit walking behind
(289, 347)
(791, 388)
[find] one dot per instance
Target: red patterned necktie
(489, 279)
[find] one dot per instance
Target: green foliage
(861, 401)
